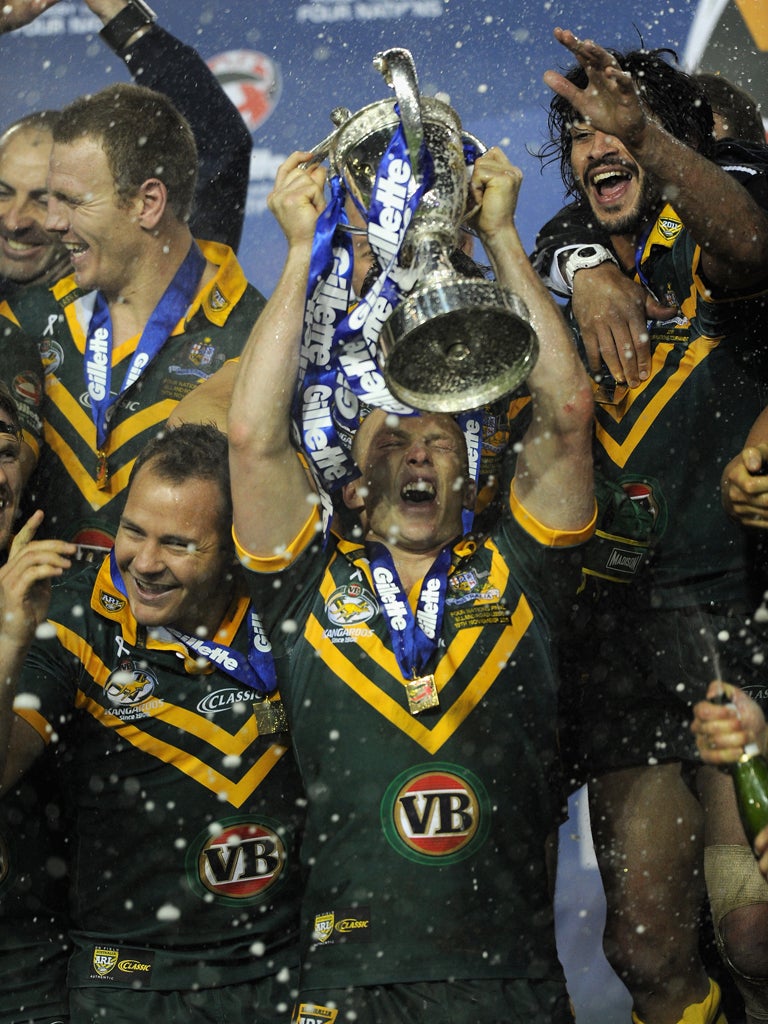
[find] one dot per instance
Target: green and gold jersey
(667, 441)
(67, 481)
(21, 370)
(34, 940)
(185, 868)
(425, 832)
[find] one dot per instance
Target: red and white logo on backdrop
(251, 80)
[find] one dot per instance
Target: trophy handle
(318, 153)
(399, 72)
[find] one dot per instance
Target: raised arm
(573, 256)
(25, 588)
(553, 479)
(732, 232)
(270, 488)
(16, 13)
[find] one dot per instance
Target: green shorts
(266, 1001)
(629, 680)
(487, 1001)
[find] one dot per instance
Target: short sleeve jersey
(667, 441)
(425, 835)
(185, 870)
(65, 483)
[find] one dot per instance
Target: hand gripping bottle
(750, 779)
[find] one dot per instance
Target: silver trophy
(453, 343)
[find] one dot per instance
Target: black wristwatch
(135, 15)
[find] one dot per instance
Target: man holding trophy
(415, 660)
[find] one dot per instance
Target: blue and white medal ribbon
(98, 347)
(414, 637)
(255, 670)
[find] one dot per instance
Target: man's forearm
(731, 228)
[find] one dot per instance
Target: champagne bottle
(750, 779)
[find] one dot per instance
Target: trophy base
(455, 346)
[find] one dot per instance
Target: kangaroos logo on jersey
(436, 814)
(130, 683)
(240, 863)
(350, 605)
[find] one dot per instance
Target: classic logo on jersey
(348, 924)
(436, 814)
(241, 862)
(251, 80)
(131, 967)
(224, 700)
(312, 1013)
(129, 688)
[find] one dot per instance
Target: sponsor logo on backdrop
(367, 10)
(64, 19)
(251, 80)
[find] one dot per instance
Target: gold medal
(422, 694)
(102, 470)
(611, 394)
(270, 717)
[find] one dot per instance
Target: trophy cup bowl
(453, 343)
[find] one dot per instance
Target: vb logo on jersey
(240, 863)
(436, 814)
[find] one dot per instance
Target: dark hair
(670, 94)
(190, 451)
(734, 105)
(143, 136)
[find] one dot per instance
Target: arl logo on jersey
(242, 861)
(436, 814)
(313, 1013)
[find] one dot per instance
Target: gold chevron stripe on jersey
(450, 718)
(234, 790)
(619, 450)
(221, 742)
(79, 420)
(755, 15)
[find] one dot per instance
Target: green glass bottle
(750, 778)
